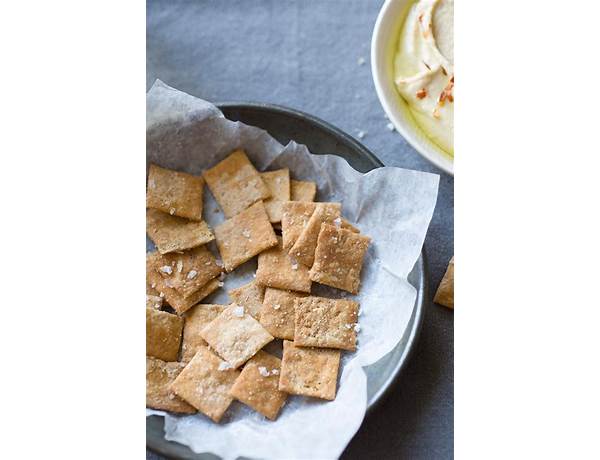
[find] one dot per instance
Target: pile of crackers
(200, 357)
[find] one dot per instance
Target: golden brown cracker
(159, 376)
(303, 190)
(250, 296)
(278, 313)
(276, 268)
(445, 292)
(172, 233)
(163, 334)
(295, 216)
(278, 183)
(196, 318)
(174, 192)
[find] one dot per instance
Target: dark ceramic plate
(320, 137)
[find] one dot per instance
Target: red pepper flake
(422, 93)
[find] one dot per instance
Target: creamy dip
(424, 68)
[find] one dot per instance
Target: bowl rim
(378, 45)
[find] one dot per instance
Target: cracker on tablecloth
(235, 183)
(172, 233)
(205, 383)
(445, 292)
(196, 318)
(175, 193)
(163, 334)
(159, 376)
(295, 216)
(326, 323)
(250, 296)
(278, 183)
(304, 247)
(302, 190)
(278, 313)
(244, 236)
(339, 258)
(235, 335)
(276, 268)
(309, 371)
(258, 385)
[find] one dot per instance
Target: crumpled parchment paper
(391, 205)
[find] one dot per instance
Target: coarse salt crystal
(166, 269)
(220, 283)
(223, 366)
(357, 327)
(246, 233)
(262, 370)
(361, 134)
(276, 306)
(294, 266)
(219, 263)
(179, 266)
(337, 222)
(151, 184)
(192, 274)
(390, 126)
(238, 311)
(172, 211)
(275, 371)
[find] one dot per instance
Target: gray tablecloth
(307, 54)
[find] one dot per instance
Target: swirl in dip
(424, 68)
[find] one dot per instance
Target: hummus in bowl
(413, 70)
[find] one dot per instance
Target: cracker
(163, 334)
(277, 269)
(154, 301)
(159, 376)
(235, 183)
(196, 318)
(327, 323)
(309, 371)
(172, 233)
(302, 190)
(175, 193)
(258, 385)
(189, 271)
(293, 220)
(445, 292)
(250, 296)
(205, 383)
(235, 336)
(278, 312)
(244, 236)
(304, 247)
(174, 298)
(278, 183)
(339, 258)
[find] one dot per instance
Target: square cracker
(250, 296)
(339, 258)
(196, 318)
(175, 193)
(235, 336)
(277, 269)
(205, 383)
(293, 220)
(235, 183)
(309, 371)
(244, 236)
(189, 271)
(278, 183)
(445, 292)
(172, 233)
(163, 334)
(174, 298)
(159, 376)
(278, 312)
(302, 190)
(258, 385)
(304, 247)
(326, 323)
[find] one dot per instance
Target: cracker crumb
(192, 274)
(166, 269)
(238, 311)
(224, 366)
(262, 370)
(390, 126)
(361, 61)
(221, 284)
(357, 327)
(361, 134)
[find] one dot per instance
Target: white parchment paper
(391, 205)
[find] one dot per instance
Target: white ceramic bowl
(383, 47)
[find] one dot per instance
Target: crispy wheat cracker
(244, 236)
(174, 298)
(154, 301)
(189, 271)
(304, 247)
(250, 296)
(159, 376)
(445, 292)
(295, 216)
(302, 190)
(235, 336)
(235, 183)
(205, 383)
(172, 233)
(339, 258)
(276, 268)
(278, 183)
(175, 193)
(309, 371)
(278, 313)
(258, 385)
(196, 318)
(326, 323)
(163, 334)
